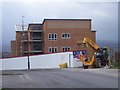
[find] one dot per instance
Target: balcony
(35, 40)
(34, 51)
(25, 41)
(36, 30)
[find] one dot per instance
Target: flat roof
(35, 24)
(58, 20)
(66, 20)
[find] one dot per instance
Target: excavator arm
(101, 56)
(91, 43)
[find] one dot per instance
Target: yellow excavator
(100, 57)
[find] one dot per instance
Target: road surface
(61, 78)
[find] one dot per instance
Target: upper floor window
(36, 46)
(52, 49)
(52, 36)
(66, 35)
(67, 48)
(36, 28)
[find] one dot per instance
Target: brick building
(53, 35)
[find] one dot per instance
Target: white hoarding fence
(49, 60)
(14, 63)
(40, 61)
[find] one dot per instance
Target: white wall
(14, 63)
(49, 60)
(75, 62)
(40, 61)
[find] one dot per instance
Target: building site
(71, 44)
(62, 35)
(58, 53)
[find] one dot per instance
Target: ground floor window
(67, 48)
(52, 49)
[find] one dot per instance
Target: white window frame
(66, 36)
(54, 38)
(49, 49)
(49, 34)
(56, 49)
(66, 47)
(52, 49)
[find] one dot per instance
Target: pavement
(61, 78)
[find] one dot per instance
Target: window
(67, 48)
(36, 28)
(52, 49)
(52, 36)
(36, 35)
(65, 35)
(37, 46)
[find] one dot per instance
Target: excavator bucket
(92, 61)
(88, 62)
(88, 59)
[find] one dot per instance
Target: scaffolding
(31, 40)
(36, 37)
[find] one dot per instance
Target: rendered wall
(14, 63)
(40, 61)
(49, 61)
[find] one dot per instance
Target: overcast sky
(104, 16)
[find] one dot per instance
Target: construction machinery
(100, 57)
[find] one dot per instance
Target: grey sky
(104, 16)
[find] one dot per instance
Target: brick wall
(77, 29)
(13, 48)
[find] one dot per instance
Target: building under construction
(51, 36)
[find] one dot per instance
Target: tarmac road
(61, 78)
